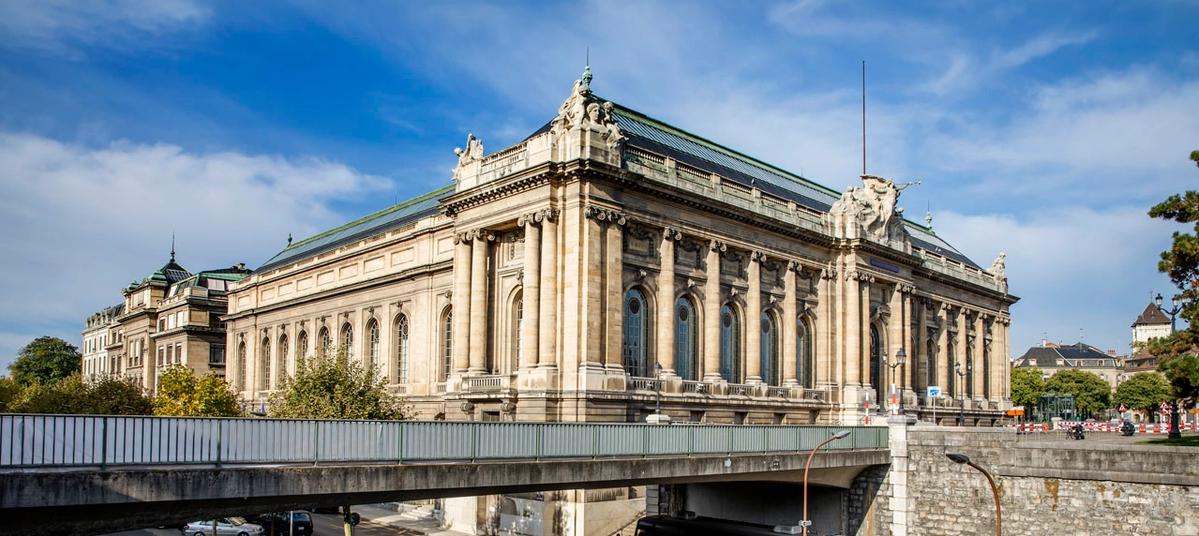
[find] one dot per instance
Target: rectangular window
(160, 355)
(178, 352)
(216, 354)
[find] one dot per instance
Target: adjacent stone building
(1050, 358)
(610, 257)
(171, 317)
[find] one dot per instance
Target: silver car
(226, 526)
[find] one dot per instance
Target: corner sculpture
(472, 152)
(582, 109)
(999, 271)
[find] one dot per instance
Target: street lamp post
(808, 465)
(1172, 312)
(901, 357)
(964, 459)
(957, 368)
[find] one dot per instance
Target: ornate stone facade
(608, 258)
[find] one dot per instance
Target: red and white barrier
(1158, 428)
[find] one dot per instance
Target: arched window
(516, 314)
(324, 342)
(730, 345)
(930, 355)
(986, 370)
(876, 364)
(951, 362)
(686, 347)
(402, 349)
(805, 365)
(770, 350)
(241, 365)
(636, 316)
(347, 340)
(447, 344)
(302, 345)
(281, 369)
(264, 360)
(968, 380)
(372, 344)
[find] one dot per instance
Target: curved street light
(806, 466)
(964, 459)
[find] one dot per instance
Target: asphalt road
(325, 525)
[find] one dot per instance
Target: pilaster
(664, 324)
(711, 313)
(753, 321)
(790, 354)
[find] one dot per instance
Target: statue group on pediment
(874, 207)
(583, 109)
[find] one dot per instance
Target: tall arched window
(324, 342)
(402, 349)
(516, 314)
(447, 344)
(805, 365)
(968, 381)
(730, 345)
(930, 355)
(281, 367)
(686, 347)
(347, 340)
(372, 344)
(986, 370)
(876, 364)
(302, 345)
(952, 363)
(770, 349)
(636, 324)
(241, 365)
(264, 360)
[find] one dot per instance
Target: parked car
(226, 526)
(278, 524)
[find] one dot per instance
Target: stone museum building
(609, 261)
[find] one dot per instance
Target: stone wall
(1046, 487)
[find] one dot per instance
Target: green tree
(1178, 354)
(44, 360)
(1143, 391)
(182, 394)
(1027, 387)
(106, 396)
(9, 391)
(334, 387)
(1091, 394)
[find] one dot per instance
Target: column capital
(905, 288)
(717, 246)
(757, 256)
(829, 271)
(671, 234)
(605, 216)
(474, 234)
(537, 216)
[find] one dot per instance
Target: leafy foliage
(1178, 354)
(9, 391)
(1091, 394)
(182, 394)
(1143, 391)
(1027, 387)
(334, 387)
(46, 359)
(106, 396)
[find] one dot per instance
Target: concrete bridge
(78, 474)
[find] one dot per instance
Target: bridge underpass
(80, 474)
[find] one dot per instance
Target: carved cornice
(604, 216)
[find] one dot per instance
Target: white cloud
(82, 222)
(1073, 267)
(67, 27)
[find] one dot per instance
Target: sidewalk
(379, 515)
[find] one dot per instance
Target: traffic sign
(934, 391)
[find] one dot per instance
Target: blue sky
(1045, 132)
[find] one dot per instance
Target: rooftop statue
(873, 207)
(582, 109)
(472, 152)
(999, 271)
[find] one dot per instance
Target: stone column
(530, 293)
(547, 355)
(614, 292)
(825, 359)
(753, 321)
(664, 322)
(790, 325)
(908, 370)
(864, 331)
(919, 356)
(963, 382)
(593, 288)
(853, 328)
(980, 371)
(478, 303)
(894, 339)
(461, 305)
(943, 366)
(711, 314)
